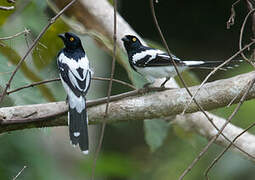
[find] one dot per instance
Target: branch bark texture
(148, 106)
(151, 105)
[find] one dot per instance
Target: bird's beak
(62, 36)
(125, 39)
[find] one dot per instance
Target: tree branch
(152, 105)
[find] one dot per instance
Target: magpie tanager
(154, 63)
(75, 75)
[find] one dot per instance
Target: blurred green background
(132, 150)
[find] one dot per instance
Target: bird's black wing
(158, 59)
(77, 79)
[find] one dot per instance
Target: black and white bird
(154, 63)
(75, 75)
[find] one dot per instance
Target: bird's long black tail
(212, 64)
(78, 128)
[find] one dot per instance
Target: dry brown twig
(227, 148)
(250, 85)
(52, 20)
(251, 8)
(231, 20)
(205, 149)
(58, 79)
(109, 88)
(25, 32)
(216, 69)
(232, 57)
(192, 97)
(19, 173)
(241, 37)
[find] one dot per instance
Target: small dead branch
(7, 8)
(19, 173)
(231, 20)
(25, 32)
(250, 85)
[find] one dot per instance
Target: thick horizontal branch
(171, 102)
(146, 106)
(151, 105)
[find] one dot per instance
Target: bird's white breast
(152, 73)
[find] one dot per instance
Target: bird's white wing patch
(73, 65)
(151, 52)
(76, 134)
(189, 63)
(164, 55)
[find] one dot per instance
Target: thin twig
(115, 80)
(240, 47)
(239, 52)
(251, 83)
(109, 88)
(174, 63)
(212, 140)
(228, 60)
(26, 31)
(183, 82)
(113, 57)
(52, 20)
(241, 37)
(231, 20)
(6, 8)
(58, 79)
(205, 149)
(19, 173)
(230, 144)
(250, 6)
(216, 69)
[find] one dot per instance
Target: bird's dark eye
(71, 39)
(134, 39)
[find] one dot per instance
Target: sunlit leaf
(46, 51)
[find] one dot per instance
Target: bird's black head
(131, 43)
(71, 41)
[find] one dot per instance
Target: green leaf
(9, 59)
(5, 14)
(155, 133)
(46, 51)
